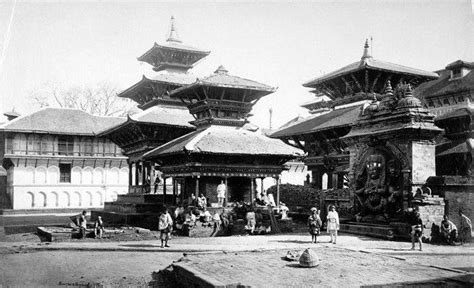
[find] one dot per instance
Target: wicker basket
(309, 259)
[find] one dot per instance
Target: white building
(54, 160)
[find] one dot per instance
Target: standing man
(82, 224)
(221, 190)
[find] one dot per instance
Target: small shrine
(225, 148)
(392, 148)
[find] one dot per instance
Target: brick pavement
(338, 268)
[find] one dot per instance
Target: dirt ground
(354, 258)
(86, 269)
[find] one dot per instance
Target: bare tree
(100, 99)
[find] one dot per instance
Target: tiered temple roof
(223, 144)
(164, 118)
(149, 129)
(356, 82)
(172, 60)
(221, 98)
(367, 75)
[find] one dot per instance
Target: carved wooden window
(64, 173)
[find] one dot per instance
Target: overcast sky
(282, 44)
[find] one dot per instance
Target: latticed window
(87, 147)
(64, 173)
(34, 144)
(66, 145)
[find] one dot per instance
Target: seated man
(99, 227)
(449, 232)
(251, 221)
(190, 218)
(201, 202)
(206, 217)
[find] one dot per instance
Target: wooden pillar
(143, 173)
(226, 192)
(164, 189)
(330, 180)
(130, 174)
(173, 181)
(251, 191)
(197, 187)
(261, 186)
(152, 178)
(136, 173)
(278, 192)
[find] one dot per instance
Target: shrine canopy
(225, 144)
(148, 129)
(368, 75)
(224, 151)
(171, 60)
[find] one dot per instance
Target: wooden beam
(375, 82)
(244, 95)
(222, 93)
(298, 143)
(335, 89)
(356, 81)
(366, 81)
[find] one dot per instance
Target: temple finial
(388, 89)
(173, 35)
(366, 53)
(221, 70)
(408, 91)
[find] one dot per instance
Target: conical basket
(309, 259)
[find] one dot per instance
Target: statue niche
(379, 188)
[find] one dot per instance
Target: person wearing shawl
(333, 223)
(314, 224)
(165, 225)
(465, 229)
(449, 231)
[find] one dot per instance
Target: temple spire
(366, 53)
(173, 35)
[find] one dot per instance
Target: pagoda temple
(163, 118)
(224, 147)
(349, 89)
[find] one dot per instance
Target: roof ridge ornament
(173, 35)
(221, 70)
(366, 54)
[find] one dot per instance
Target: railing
(62, 153)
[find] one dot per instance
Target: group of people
(448, 230)
(98, 226)
(315, 224)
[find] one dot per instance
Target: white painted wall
(39, 188)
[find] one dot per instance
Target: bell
(309, 259)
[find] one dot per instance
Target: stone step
(379, 231)
(133, 207)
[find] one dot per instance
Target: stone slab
(338, 268)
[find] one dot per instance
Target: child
(416, 229)
(99, 227)
(164, 225)
(333, 223)
(314, 224)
